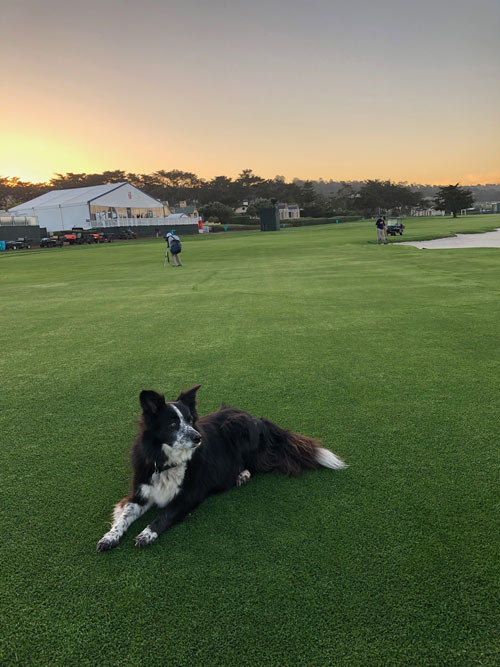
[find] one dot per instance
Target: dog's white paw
(145, 538)
(243, 477)
(108, 541)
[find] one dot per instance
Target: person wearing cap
(174, 245)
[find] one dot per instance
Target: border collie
(178, 460)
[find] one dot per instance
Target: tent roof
(70, 196)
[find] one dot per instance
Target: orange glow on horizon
(342, 91)
(39, 148)
(37, 160)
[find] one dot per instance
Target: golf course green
(388, 354)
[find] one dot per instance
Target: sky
(309, 89)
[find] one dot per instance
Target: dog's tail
(290, 453)
(328, 459)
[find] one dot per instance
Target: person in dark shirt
(381, 230)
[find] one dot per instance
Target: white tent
(109, 205)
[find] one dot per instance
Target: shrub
(244, 220)
(306, 222)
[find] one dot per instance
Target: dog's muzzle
(196, 438)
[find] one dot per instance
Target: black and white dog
(178, 460)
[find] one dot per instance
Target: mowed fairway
(389, 355)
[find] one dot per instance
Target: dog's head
(171, 423)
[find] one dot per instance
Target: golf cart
(51, 242)
(126, 234)
(20, 244)
(395, 226)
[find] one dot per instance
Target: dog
(178, 460)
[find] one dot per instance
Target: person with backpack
(175, 246)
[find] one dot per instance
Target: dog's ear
(151, 402)
(188, 397)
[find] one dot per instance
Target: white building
(241, 210)
(190, 211)
(289, 211)
(426, 212)
(173, 217)
(109, 205)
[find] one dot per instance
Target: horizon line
(291, 180)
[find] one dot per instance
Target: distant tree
(307, 198)
(316, 198)
(219, 189)
(71, 180)
(155, 186)
(372, 197)
(307, 194)
(13, 191)
(276, 188)
(247, 186)
(217, 209)
(135, 179)
(5, 192)
(175, 185)
(312, 204)
(248, 179)
(453, 198)
(343, 201)
(385, 196)
(260, 203)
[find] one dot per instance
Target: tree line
(317, 199)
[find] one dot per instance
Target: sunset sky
(345, 89)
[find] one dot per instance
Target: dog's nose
(196, 438)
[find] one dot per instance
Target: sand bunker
(486, 240)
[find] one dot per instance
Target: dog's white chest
(164, 486)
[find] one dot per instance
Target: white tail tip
(328, 459)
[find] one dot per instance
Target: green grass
(386, 353)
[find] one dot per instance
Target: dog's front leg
(171, 514)
(130, 511)
(243, 477)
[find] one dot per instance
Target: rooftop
(70, 196)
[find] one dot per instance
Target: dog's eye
(173, 424)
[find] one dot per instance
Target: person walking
(175, 246)
(381, 230)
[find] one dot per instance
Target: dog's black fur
(179, 459)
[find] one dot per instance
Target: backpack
(175, 246)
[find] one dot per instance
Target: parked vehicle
(100, 237)
(71, 239)
(394, 226)
(19, 244)
(75, 238)
(126, 234)
(82, 236)
(51, 242)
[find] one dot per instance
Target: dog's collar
(164, 467)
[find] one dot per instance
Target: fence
(13, 232)
(18, 220)
(105, 222)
